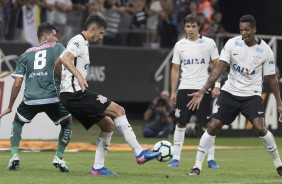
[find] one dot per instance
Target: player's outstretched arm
(14, 93)
(197, 96)
(274, 85)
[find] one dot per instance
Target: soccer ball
(165, 147)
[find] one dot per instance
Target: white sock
(125, 129)
(178, 140)
(210, 152)
(269, 143)
(102, 146)
(205, 142)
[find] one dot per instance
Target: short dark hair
(94, 19)
(45, 28)
(249, 18)
(192, 18)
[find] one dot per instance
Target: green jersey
(37, 66)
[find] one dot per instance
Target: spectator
(96, 7)
(30, 10)
(118, 23)
(137, 34)
(205, 8)
(76, 17)
(12, 19)
(159, 117)
(167, 31)
(153, 9)
(61, 9)
(205, 26)
(215, 26)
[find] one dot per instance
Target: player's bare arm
(58, 67)
(174, 82)
(197, 97)
(14, 93)
(216, 89)
(274, 85)
(67, 62)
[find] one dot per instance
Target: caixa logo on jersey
(96, 73)
(243, 70)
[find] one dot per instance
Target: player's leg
(268, 142)
(206, 141)
(120, 120)
(15, 142)
(225, 110)
(60, 116)
(182, 115)
(25, 113)
(203, 117)
(102, 145)
(253, 110)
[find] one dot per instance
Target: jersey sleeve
(176, 55)
(268, 65)
(74, 47)
(214, 51)
(225, 54)
(20, 68)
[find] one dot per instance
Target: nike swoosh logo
(260, 112)
(235, 54)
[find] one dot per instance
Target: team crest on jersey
(102, 99)
(202, 48)
(215, 109)
(256, 59)
(177, 113)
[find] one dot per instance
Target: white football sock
(210, 152)
(125, 129)
(178, 140)
(102, 146)
(205, 142)
(269, 143)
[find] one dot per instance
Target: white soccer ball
(165, 147)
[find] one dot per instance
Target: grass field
(241, 166)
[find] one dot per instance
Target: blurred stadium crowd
(141, 23)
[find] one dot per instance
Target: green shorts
(55, 111)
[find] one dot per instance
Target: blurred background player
(192, 55)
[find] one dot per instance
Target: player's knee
(66, 122)
(262, 131)
(181, 124)
(119, 110)
(214, 128)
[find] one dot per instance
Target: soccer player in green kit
(41, 93)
